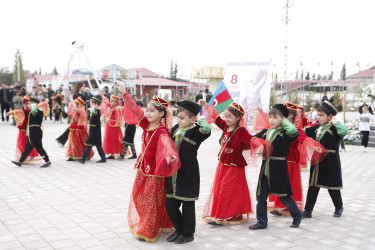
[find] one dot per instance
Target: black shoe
(174, 236)
(184, 239)
(275, 212)
(47, 164)
(121, 157)
(141, 239)
(101, 161)
(257, 227)
(295, 223)
(133, 157)
(338, 212)
(110, 157)
(306, 214)
(70, 159)
(17, 163)
(214, 223)
(81, 161)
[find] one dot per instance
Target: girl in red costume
(147, 214)
(21, 116)
(112, 141)
(229, 201)
(78, 130)
(303, 149)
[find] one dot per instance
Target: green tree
(301, 75)
(296, 78)
(6, 76)
(313, 76)
(171, 73)
(18, 60)
(295, 97)
(54, 71)
(319, 77)
(330, 76)
(175, 71)
(337, 98)
(309, 101)
(343, 73)
(307, 76)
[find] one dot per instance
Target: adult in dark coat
(183, 186)
(35, 134)
(5, 99)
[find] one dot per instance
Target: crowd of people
(167, 182)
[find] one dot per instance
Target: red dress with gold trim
(147, 214)
(229, 200)
(112, 140)
(22, 117)
(78, 134)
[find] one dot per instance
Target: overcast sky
(193, 33)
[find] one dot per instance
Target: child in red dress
(112, 141)
(147, 214)
(21, 116)
(229, 201)
(78, 130)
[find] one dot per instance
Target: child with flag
(229, 201)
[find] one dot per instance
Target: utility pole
(286, 20)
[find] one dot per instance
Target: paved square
(75, 206)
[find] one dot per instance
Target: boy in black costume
(183, 186)
(34, 134)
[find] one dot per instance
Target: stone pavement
(74, 206)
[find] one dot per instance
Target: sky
(192, 33)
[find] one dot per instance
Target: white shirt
(364, 121)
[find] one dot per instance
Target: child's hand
(121, 88)
(202, 102)
(9, 113)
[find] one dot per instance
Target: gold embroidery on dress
(229, 150)
(225, 138)
(147, 169)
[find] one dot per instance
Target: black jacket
(277, 167)
(7, 93)
(95, 131)
(184, 185)
(35, 132)
(327, 173)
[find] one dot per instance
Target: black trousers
(342, 144)
(87, 151)
(64, 137)
(312, 195)
(5, 107)
(365, 136)
(29, 148)
(262, 204)
(183, 222)
(57, 116)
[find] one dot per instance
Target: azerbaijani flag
(221, 98)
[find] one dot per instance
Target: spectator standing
(50, 92)
(5, 98)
